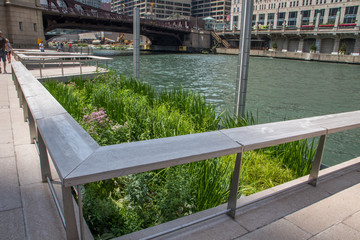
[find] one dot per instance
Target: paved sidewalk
(27, 210)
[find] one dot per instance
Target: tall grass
(116, 109)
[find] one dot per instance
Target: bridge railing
(76, 8)
(78, 159)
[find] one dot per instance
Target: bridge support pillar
(300, 46)
(198, 40)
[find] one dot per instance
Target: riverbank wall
(296, 55)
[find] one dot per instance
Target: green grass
(115, 109)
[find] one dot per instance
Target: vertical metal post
(235, 185)
(81, 219)
(80, 70)
(62, 68)
(44, 160)
(136, 42)
(69, 214)
(243, 62)
(97, 65)
(317, 161)
(25, 111)
(40, 70)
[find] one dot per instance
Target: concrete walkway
(27, 210)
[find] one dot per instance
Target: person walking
(3, 49)
(9, 51)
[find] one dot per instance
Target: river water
(277, 89)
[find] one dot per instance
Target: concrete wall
(25, 13)
(198, 40)
(296, 55)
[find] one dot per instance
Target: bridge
(74, 15)
(23, 30)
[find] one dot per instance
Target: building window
(253, 20)
(332, 15)
(35, 27)
(20, 26)
(305, 17)
(350, 14)
(292, 18)
(261, 19)
(270, 18)
(281, 18)
(321, 11)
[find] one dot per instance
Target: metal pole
(235, 185)
(136, 42)
(81, 219)
(317, 161)
(40, 70)
(243, 62)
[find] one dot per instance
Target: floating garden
(115, 109)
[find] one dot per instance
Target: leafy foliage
(114, 109)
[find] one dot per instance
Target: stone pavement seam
(349, 225)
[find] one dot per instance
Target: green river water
(277, 89)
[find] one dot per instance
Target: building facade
(93, 3)
(219, 10)
(158, 9)
(21, 22)
(296, 25)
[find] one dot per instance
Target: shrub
(115, 109)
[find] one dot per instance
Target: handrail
(78, 159)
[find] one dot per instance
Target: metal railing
(61, 59)
(78, 159)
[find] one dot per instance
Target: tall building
(218, 9)
(328, 26)
(93, 3)
(298, 12)
(153, 8)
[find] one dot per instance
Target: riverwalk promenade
(331, 210)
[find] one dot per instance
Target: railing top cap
(128, 158)
(123, 159)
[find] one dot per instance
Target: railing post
(40, 70)
(81, 219)
(69, 214)
(44, 160)
(31, 124)
(235, 185)
(317, 161)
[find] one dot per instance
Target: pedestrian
(9, 51)
(41, 46)
(3, 49)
